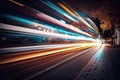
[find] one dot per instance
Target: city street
(86, 64)
(59, 40)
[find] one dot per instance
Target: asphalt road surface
(75, 64)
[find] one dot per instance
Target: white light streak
(55, 21)
(37, 32)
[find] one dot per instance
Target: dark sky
(84, 6)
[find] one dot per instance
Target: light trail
(85, 22)
(65, 8)
(75, 15)
(15, 2)
(37, 32)
(48, 18)
(42, 47)
(51, 5)
(38, 54)
(51, 46)
(55, 21)
(93, 24)
(38, 25)
(64, 56)
(61, 62)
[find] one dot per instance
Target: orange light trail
(16, 2)
(75, 15)
(66, 9)
(33, 55)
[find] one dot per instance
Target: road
(62, 65)
(14, 68)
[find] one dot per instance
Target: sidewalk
(114, 55)
(104, 66)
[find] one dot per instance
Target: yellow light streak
(73, 14)
(16, 2)
(38, 54)
(66, 9)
